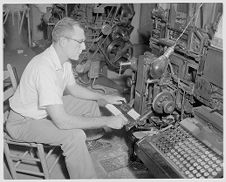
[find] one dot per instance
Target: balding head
(64, 28)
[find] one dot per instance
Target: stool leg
(9, 160)
(41, 155)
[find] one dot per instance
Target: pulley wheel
(118, 51)
(164, 102)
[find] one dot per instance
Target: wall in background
(145, 25)
(134, 37)
(36, 16)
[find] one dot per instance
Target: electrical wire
(188, 24)
(170, 65)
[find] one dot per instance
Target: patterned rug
(114, 163)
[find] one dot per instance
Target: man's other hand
(114, 99)
(117, 122)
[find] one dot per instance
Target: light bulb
(158, 66)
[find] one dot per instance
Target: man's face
(75, 43)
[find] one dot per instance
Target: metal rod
(29, 27)
(22, 21)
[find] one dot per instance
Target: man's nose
(83, 46)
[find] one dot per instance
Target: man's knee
(77, 135)
(74, 141)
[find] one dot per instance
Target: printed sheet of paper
(133, 114)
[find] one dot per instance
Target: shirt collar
(54, 58)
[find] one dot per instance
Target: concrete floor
(111, 159)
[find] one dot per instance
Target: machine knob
(129, 82)
(106, 29)
(168, 107)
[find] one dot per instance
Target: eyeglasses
(80, 42)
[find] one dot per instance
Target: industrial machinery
(178, 73)
(179, 85)
(107, 28)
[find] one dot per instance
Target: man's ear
(62, 41)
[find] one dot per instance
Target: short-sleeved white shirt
(42, 83)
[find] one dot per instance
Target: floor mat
(97, 145)
(114, 163)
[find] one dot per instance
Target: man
(39, 112)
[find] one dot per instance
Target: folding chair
(33, 153)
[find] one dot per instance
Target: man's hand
(117, 122)
(114, 99)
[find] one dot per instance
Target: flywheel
(118, 51)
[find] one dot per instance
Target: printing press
(177, 94)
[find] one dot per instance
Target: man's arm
(77, 90)
(66, 121)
